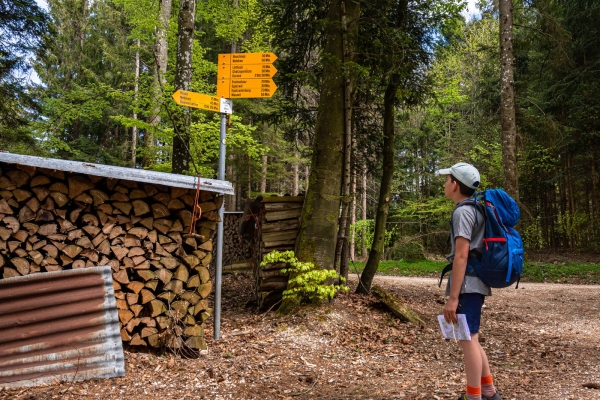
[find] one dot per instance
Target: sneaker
(496, 396)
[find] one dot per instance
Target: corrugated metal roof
(130, 174)
(59, 325)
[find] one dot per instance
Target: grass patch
(403, 268)
(567, 272)
(576, 272)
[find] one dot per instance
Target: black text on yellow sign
(246, 75)
(203, 101)
(245, 88)
(253, 71)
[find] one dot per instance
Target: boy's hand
(450, 310)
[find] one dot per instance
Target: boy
(465, 290)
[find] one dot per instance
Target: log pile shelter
(155, 230)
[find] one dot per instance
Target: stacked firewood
(237, 253)
(280, 219)
(51, 220)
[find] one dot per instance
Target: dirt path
(542, 341)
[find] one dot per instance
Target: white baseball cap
(466, 173)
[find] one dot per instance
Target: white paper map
(458, 331)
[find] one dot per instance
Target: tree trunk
(571, 202)
(306, 177)
(134, 130)
(249, 177)
(183, 78)
(383, 206)
(230, 200)
(595, 215)
(350, 29)
(353, 218)
(161, 48)
(363, 201)
(562, 188)
(318, 231)
(507, 99)
(296, 183)
(263, 177)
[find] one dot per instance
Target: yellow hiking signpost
(256, 71)
(246, 75)
(203, 101)
(240, 75)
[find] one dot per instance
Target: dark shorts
(470, 304)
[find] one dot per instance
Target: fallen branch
(591, 385)
(396, 306)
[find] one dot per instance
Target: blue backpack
(501, 262)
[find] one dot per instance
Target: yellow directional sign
(243, 75)
(203, 101)
(247, 58)
(251, 71)
(245, 88)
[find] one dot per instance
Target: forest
(373, 97)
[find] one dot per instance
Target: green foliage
(363, 233)
(307, 284)
(23, 24)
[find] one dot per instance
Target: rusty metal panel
(59, 325)
(129, 174)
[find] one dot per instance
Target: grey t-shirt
(468, 222)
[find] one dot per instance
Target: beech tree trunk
(350, 11)
(507, 99)
(161, 48)
(263, 177)
(183, 78)
(353, 218)
(318, 231)
(366, 278)
(134, 130)
(296, 183)
(363, 202)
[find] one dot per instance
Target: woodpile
(52, 220)
(237, 253)
(280, 220)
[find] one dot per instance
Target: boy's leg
(485, 365)
(470, 304)
(473, 360)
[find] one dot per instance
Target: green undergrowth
(576, 272)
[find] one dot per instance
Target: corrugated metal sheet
(130, 174)
(59, 325)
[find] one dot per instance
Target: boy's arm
(459, 267)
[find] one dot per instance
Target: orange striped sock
(473, 392)
(487, 386)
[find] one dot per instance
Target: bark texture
(134, 130)
(318, 231)
(183, 78)
(161, 48)
(351, 13)
(507, 99)
(383, 207)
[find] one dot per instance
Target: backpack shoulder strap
(470, 201)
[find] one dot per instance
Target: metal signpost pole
(219, 266)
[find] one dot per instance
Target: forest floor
(542, 341)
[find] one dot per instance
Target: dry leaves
(541, 340)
